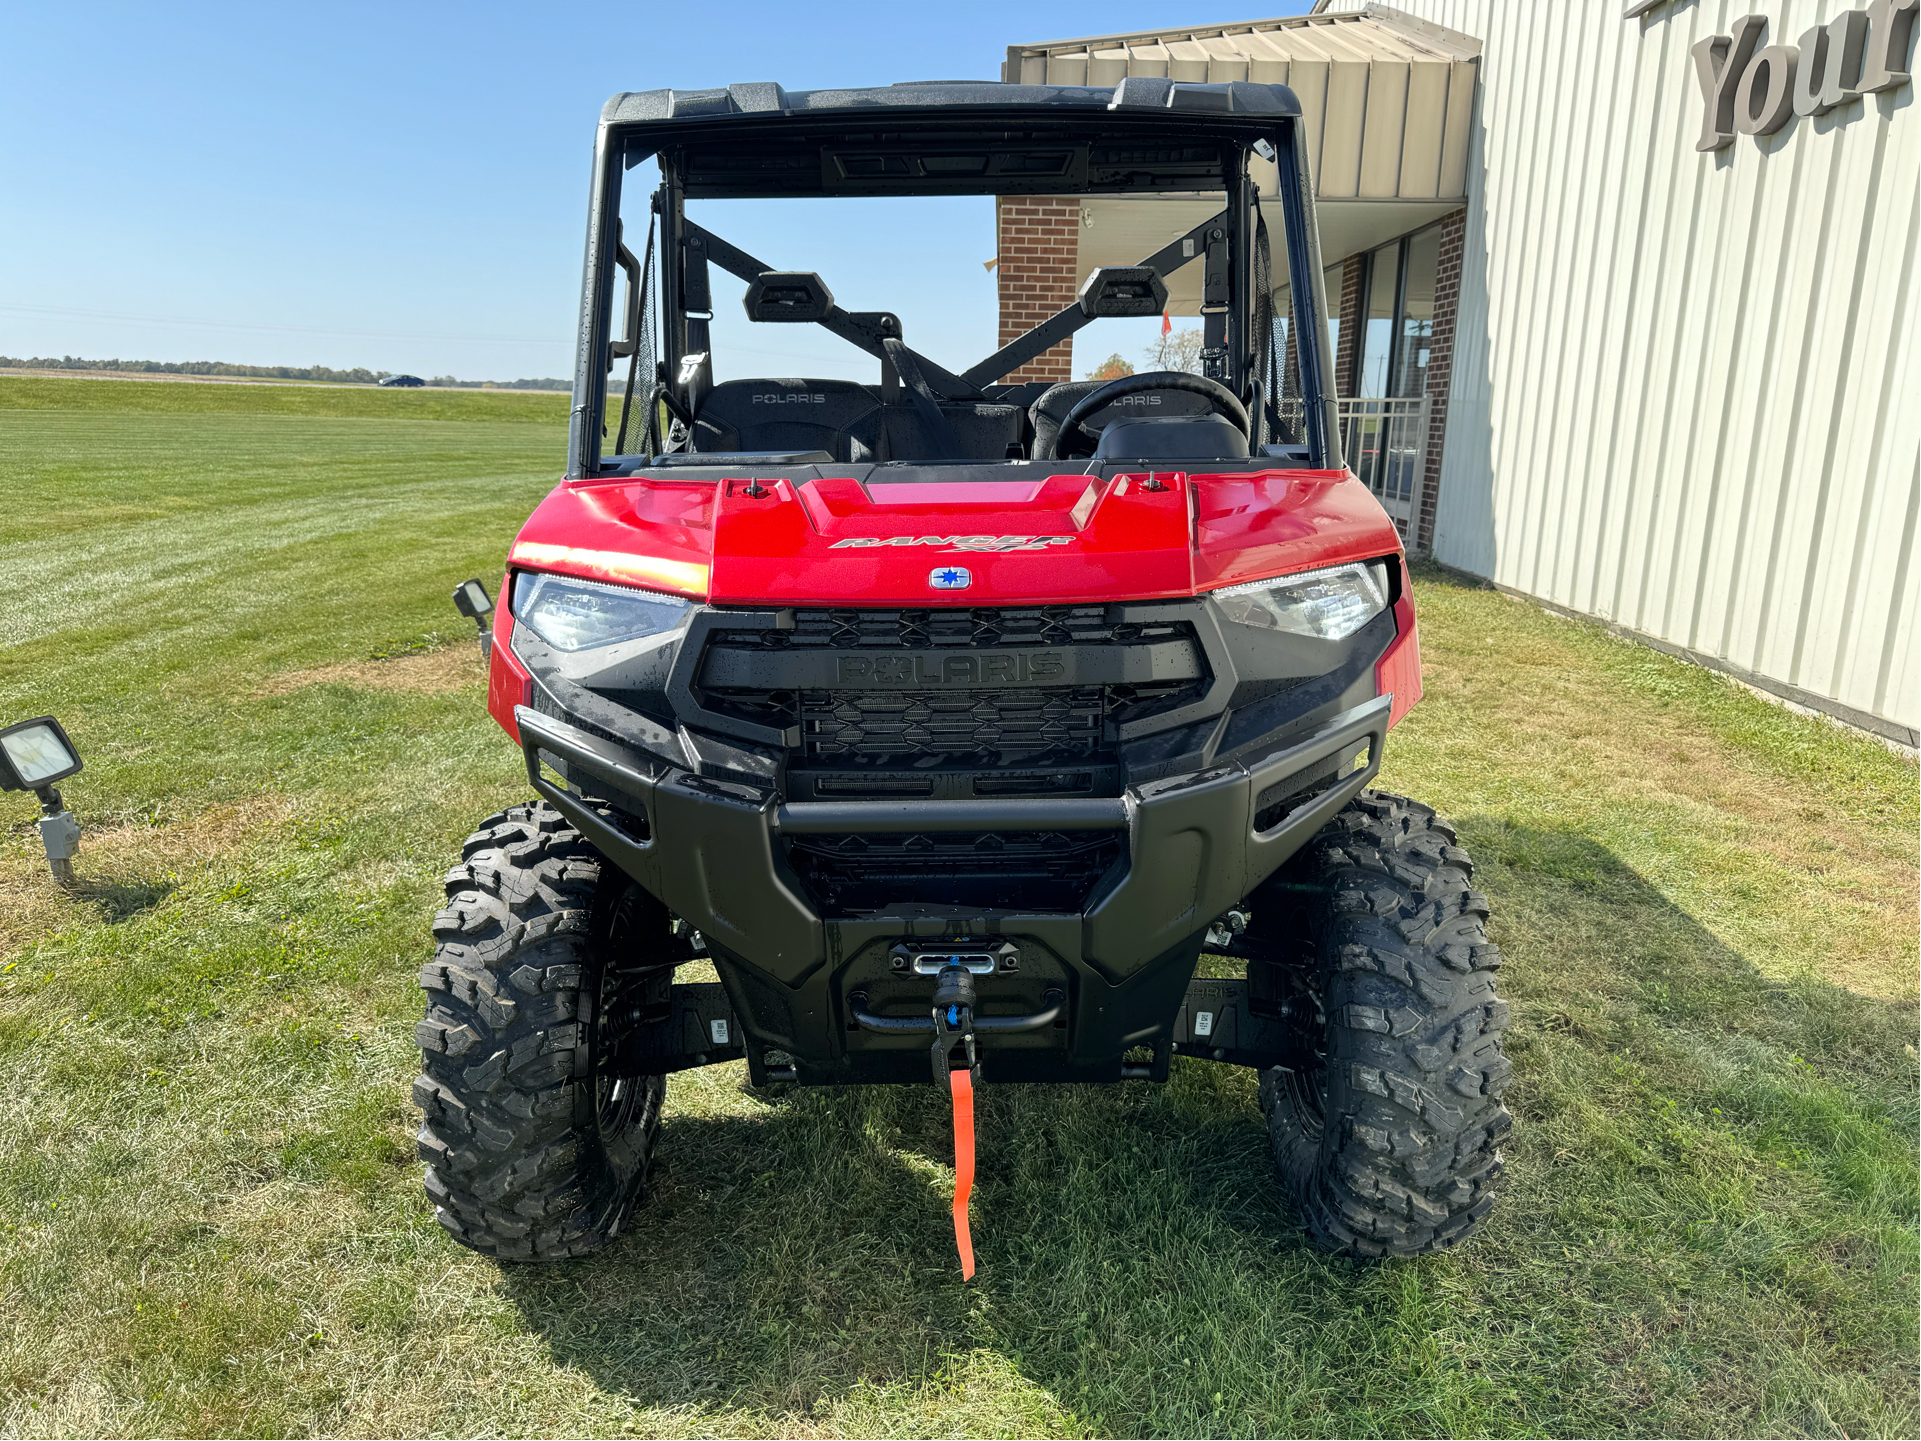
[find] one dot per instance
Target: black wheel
(1388, 1134)
(536, 1145)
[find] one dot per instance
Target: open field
(289, 397)
(210, 1215)
(169, 377)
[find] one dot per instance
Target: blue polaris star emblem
(950, 577)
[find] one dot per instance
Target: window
(1384, 423)
(1397, 316)
(1377, 319)
(1416, 330)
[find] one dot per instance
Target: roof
(1387, 99)
(765, 99)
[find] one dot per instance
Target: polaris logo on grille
(956, 542)
(950, 577)
(921, 668)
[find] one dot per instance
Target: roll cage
(1145, 137)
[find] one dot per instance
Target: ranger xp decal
(957, 542)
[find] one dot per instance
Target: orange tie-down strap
(961, 1083)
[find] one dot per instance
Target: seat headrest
(829, 403)
(792, 414)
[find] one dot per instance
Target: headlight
(1332, 603)
(578, 614)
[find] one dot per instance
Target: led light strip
(684, 577)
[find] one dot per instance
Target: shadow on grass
(121, 900)
(1583, 928)
(1140, 1268)
(786, 1261)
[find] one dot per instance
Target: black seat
(836, 416)
(845, 420)
(1051, 409)
(984, 430)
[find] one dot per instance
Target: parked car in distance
(403, 380)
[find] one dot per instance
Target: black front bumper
(713, 852)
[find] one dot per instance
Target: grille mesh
(1003, 727)
(1013, 870)
(1025, 740)
(920, 629)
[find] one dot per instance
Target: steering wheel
(1074, 434)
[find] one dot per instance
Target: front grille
(853, 738)
(986, 727)
(1021, 726)
(997, 626)
(950, 726)
(1005, 870)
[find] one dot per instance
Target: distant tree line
(359, 375)
(544, 383)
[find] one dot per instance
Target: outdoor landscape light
(471, 600)
(1331, 603)
(33, 755)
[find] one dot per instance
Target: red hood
(1066, 539)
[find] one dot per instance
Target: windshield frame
(620, 146)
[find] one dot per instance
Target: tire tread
(1408, 1160)
(505, 1074)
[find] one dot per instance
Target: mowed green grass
(211, 1219)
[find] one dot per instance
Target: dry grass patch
(123, 868)
(431, 672)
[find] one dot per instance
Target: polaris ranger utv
(954, 718)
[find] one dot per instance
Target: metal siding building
(1672, 389)
(1684, 395)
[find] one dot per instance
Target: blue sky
(403, 186)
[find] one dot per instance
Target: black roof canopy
(948, 137)
(1134, 93)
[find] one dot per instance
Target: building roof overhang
(1386, 99)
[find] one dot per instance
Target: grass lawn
(211, 1219)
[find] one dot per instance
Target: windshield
(949, 328)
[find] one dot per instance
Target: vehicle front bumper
(711, 852)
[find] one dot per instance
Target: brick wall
(1346, 361)
(1440, 365)
(1039, 239)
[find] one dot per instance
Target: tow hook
(954, 1030)
(954, 1025)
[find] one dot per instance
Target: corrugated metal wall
(1685, 389)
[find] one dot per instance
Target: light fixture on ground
(34, 755)
(471, 600)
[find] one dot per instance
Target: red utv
(954, 719)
